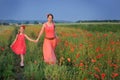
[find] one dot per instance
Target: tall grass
(84, 52)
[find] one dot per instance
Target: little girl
(19, 46)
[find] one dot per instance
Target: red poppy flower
(68, 59)
(103, 76)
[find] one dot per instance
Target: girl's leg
(22, 60)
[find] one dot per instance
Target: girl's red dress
(19, 46)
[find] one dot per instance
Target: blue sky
(70, 10)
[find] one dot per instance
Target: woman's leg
(54, 44)
(48, 52)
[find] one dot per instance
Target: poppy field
(84, 52)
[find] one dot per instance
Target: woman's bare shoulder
(44, 24)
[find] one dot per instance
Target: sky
(69, 10)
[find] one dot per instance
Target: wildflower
(85, 79)
(93, 60)
(2, 48)
(105, 35)
(113, 49)
(66, 43)
(72, 49)
(68, 59)
(98, 49)
(89, 35)
(103, 76)
(108, 48)
(114, 65)
(118, 42)
(74, 35)
(112, 42)
(77, 55)
(97, 69)
(97, 76)
(81, 45)
(81, 64)
(99, 56)
(90, 73)
(114, 75)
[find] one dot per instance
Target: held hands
(11, 45)
(36, 40)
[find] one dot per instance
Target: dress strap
(47, 24)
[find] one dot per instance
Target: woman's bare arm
(41, 32)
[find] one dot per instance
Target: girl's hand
(10, 45)
(37, 40)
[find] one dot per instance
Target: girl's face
(50, 18)
(21, 30)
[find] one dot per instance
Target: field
(84, 52)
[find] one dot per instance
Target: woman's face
(50, 18)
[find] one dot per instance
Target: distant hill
(81, 21)
(21, 21)
(29, 21)
(8, 22)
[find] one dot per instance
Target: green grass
(84, 52)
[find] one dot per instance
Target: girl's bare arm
(14, 40)
(28, 38)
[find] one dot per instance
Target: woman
(50, 40)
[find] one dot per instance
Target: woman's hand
(57, 38)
